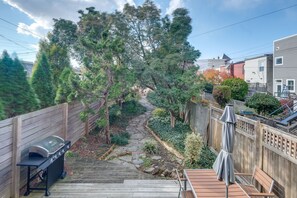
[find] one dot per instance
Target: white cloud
(42, 12)
(241, 4)
(34, 30)
(174, 4)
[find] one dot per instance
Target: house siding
(237, 70)
(253, 75)
(286, 48)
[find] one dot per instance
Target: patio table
(204, 183)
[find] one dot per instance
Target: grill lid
(47, 146)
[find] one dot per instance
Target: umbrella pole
(226, 191)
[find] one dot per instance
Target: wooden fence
(18, 133)
(257, 144)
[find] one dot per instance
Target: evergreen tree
(68, 86)
(42, 82)
(15, 91)
(2, 113)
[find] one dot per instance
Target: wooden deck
(89, 178)
(127, 189)
(204, 183)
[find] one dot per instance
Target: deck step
(129, 188)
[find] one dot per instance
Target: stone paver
(139, 135)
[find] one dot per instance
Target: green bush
(175, 136)
(120, 139)
(150, 147)
(208, 87)
(193, 147)
(239, 88)
(206, 160)
(263, 103)
(133, 107)
(222, 95)
(159, 112)
(114, 113)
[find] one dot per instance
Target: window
(291, 85)
(261, 66)
(279, 60)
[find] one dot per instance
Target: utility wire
(243, 21)
(25, 29)
(14, 42)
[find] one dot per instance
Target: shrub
(263, 103)
(239, 88)
(159, 112)
(193, 147)
(150, 147)
(132, 107)
(120, 139)
(222, 95)
(114, 113)
(175, 136)
(204, 102)
(208, 87)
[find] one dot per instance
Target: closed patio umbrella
(223, 165)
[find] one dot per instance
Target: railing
(216, 112)
(280, 142)
(246, 126)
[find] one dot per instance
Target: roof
(287, 37)
(264, 55)
(226, 57)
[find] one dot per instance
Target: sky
(24, 22)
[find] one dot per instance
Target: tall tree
(101, 52)
(161, 55)
(15, 91)
(68, 86)
(42, 81)
(2, 113)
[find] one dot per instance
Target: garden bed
(176, 138)
(93, 145)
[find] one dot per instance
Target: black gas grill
(46, 161)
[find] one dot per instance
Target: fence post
(87, 126)
(258, 141)
(65, 120)
(16, 155)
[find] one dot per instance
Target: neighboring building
(285, 65)
(237, 69)
(258, 72)
(28, 67)
(218, 64)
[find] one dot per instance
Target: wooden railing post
(16, 155)
(65, 120)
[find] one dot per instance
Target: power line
(25, 29)
(14, 42)
(243, 21)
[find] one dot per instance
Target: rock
(137, 165)
(149, 170)
(155, 171)
(173, 175)
(166, 173)
(156, 157)
(137, 162)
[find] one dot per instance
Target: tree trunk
(107, 127)
(172, 119)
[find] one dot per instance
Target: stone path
(131, 154)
